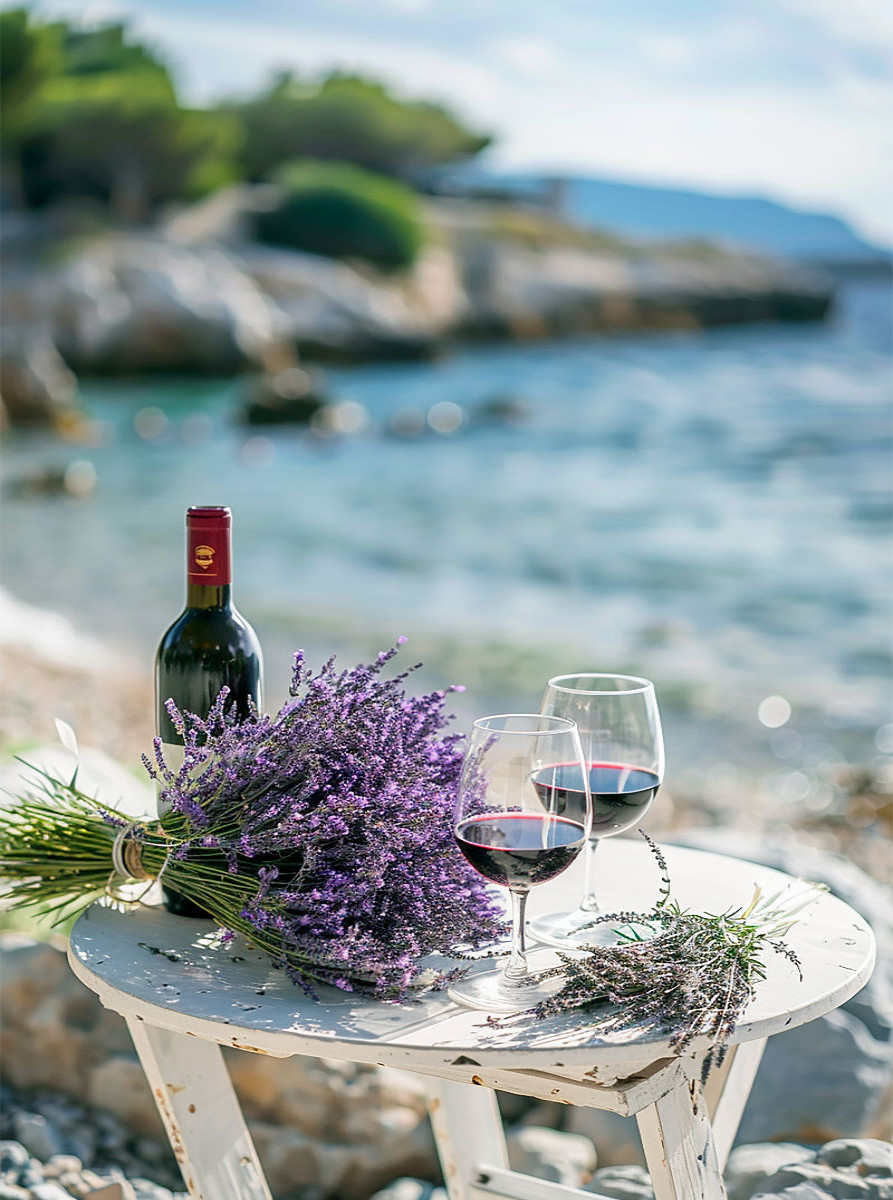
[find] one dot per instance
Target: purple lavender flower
(338, 810)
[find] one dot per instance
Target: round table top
(172, 973)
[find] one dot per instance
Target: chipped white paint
(468, 1130)
(204, 1124)
(679, 1147)
(170, 973)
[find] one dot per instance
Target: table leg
(468, 1131)
(727, 1090)
(201, 1114)
(679, 1147)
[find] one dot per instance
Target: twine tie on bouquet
(127, 857)
(127, 861)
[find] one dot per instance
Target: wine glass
(518, 825)
(623, 748)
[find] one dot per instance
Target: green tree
(29, 56)
(350, 119)
(103, 122)
(342, 211)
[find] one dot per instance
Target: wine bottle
(208, 647)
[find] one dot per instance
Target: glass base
(489, 993)
(569, 931)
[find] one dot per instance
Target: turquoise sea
(709, 509)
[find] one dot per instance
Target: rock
(36, 1134)
(81, 1142)
(145, 1189)
(836, 1185)
(564, 1158)
(45, 1006)
(336, 313)
(13, 1156)
(119, 1085)
(116, 1189)
(501, 410)
(76, 480)
(615, 1138)
(749, 1165)
(831, 1077)
(292, 1160)
(291, 396)
(36, 386)
(622, 1183)
(61, 1164)
(49, 1191)
(818, 1081)
(11, 1191)
(801, 1191)
(410, 1189)
(869, 1157)
(134, 303)
(31, 1176)
(150, 1150)
(74, 1184)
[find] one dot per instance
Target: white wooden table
(185, 1002)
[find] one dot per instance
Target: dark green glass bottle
(209, 646)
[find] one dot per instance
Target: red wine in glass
(621, 793)
(517, 850)
(507, 829)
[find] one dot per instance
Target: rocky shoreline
(41, 1130)
(199, 294)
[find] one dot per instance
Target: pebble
(802, 1191)
(869, 1156)
(622, 1183)
(410, 1189)
(749, 1165)
(51, 1121)
(49, 1190)
(36, 1134)
(62, 1164)
(566, 1158)
(13, 1156)
(145, 1189)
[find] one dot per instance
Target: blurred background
(552, 338)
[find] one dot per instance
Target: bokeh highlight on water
(709, 509)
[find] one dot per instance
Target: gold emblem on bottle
(204, 557)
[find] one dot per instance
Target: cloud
(528, 56)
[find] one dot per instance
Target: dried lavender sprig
(692, 979)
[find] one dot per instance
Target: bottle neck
(203, 595)
(208, 564)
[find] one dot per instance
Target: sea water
(710, 509)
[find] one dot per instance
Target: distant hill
(639, 210)
(657, 212)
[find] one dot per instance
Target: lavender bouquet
(322, 834)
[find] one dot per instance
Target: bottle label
(208, 555)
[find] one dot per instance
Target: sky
(790, 99)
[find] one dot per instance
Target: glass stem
(515, 971)
(589, 903)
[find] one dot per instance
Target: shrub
(342, 211)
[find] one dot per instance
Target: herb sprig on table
(322, 834)
(694, 978)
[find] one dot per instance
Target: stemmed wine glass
(623, 749)
(518, 824)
